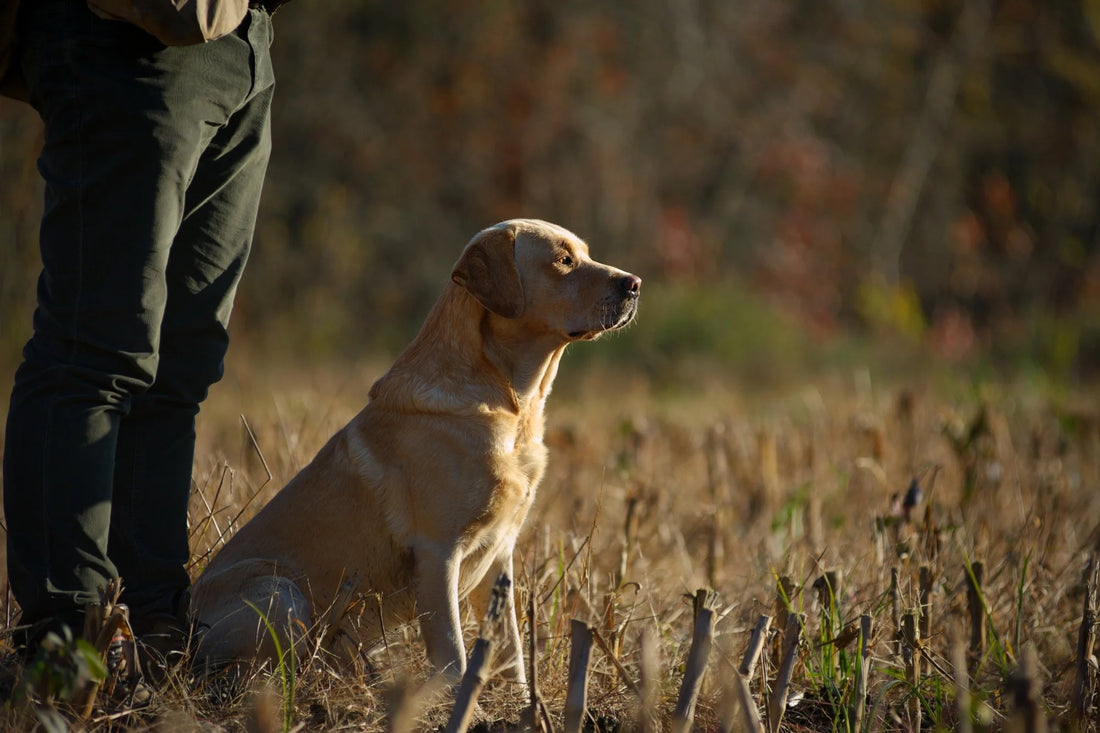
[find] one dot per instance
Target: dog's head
(531, 270)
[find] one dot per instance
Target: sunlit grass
(729, 487)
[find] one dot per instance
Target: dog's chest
(496, 529)
(518, 443)
(521, 467)
(516, 468)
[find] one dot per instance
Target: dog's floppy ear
(487, 271)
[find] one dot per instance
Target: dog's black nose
(632, 285)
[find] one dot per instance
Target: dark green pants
(153, 161)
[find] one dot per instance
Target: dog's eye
(565, 260)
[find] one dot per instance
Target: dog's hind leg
(267, 619)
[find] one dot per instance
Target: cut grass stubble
(919, 611)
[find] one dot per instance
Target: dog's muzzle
(617, 309)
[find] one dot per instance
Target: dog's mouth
(609, 321)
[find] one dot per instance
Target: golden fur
(421, 496)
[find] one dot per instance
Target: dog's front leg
(479, 599)
(437, 572)
(513, 638)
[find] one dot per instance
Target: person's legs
(126, 122)
(149, 542)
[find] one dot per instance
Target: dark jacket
(172, 23)
(11, 82)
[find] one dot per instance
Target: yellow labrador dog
(421, 496)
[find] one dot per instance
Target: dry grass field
(651, 496)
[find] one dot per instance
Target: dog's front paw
(514, 672)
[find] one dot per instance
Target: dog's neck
(467, 340)
(528, 362)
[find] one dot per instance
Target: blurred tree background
(920, 172)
